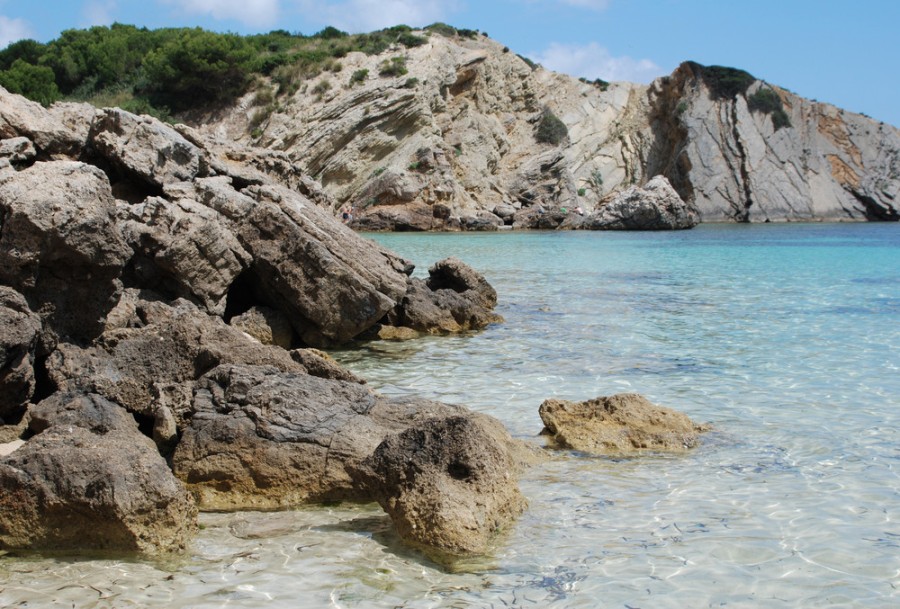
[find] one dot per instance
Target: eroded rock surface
(19, 332)
(89, 480)
(621, 424)
(656, 206)
(447, 483)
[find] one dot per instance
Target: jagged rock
(318, 363)
(268, 326)
(89, 480)
(260, 438)
(19, 332)
(17, 149)
(447, 483)
(157, 363)
(656, 206)
(60, 248)
(624, 423)
(183, 248)
(144, 148)
(455, 298)
(59, 130)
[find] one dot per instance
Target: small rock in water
(624, 423)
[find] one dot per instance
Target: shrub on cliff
(723, 82)
(551, 130)
(767, 101)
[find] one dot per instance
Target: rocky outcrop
(151, 293)
(621, 424)
(656, 206)
(454, 142)
(19, 332)
(60, 247)
(262, 438)
(454, 298)
(89, 480)
(447, 483)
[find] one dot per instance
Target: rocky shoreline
(162, 299)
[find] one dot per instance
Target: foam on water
(786, 338)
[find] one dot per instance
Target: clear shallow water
(785, 337)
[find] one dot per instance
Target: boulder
(19, 332)
(60, 130)
(656, 206)
(89, 480)
(620, 424)
(448, 484)
(60, 247)
(262, 438)
(156, 358)
(17, 150)
(267, 325)
(455, 298)
(145, 149)
(182, 248)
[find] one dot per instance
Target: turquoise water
(784, 337)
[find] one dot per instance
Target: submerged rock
(89, 480)
(447, 483)
(620, 424)
(656, 206)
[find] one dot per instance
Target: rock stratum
(161, 298)
(452, 144)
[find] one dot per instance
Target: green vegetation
(597, 82)
(582, 192)
(597, 180)
(550, 129)
(174, 69)
(767, 101)
(395, 66)
(448, 31)
(411, 83)
(530, 63)
(359, 76)
(724, 82)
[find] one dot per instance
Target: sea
(785, 338)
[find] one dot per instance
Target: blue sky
(845, 53)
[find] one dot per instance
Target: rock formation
(656, 206)
(160, 295)
(453, 144)
(621, 424)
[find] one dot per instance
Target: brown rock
(267, 325)
(90, 481)
(624, 423)
(19, 332)
(261, 438)
(60, 248)
(447, 483)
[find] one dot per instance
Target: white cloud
(13, 29)
(594, 61)
(99, 12)
(256, 13)
(368, 15)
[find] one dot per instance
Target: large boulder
(19, 332)
(448, 484)
(89, 480)
(156, 356)
(455, 298)
(183, 248)
(656, 206)
(261, 438)
(620, 424)
(60, 247)
(59, 130)
(144, 149)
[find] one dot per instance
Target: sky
(835, 51)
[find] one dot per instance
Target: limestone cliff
(452, 143)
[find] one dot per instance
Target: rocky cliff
(452, 142)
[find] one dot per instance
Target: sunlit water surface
(786, 338)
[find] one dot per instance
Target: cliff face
(451, 144)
